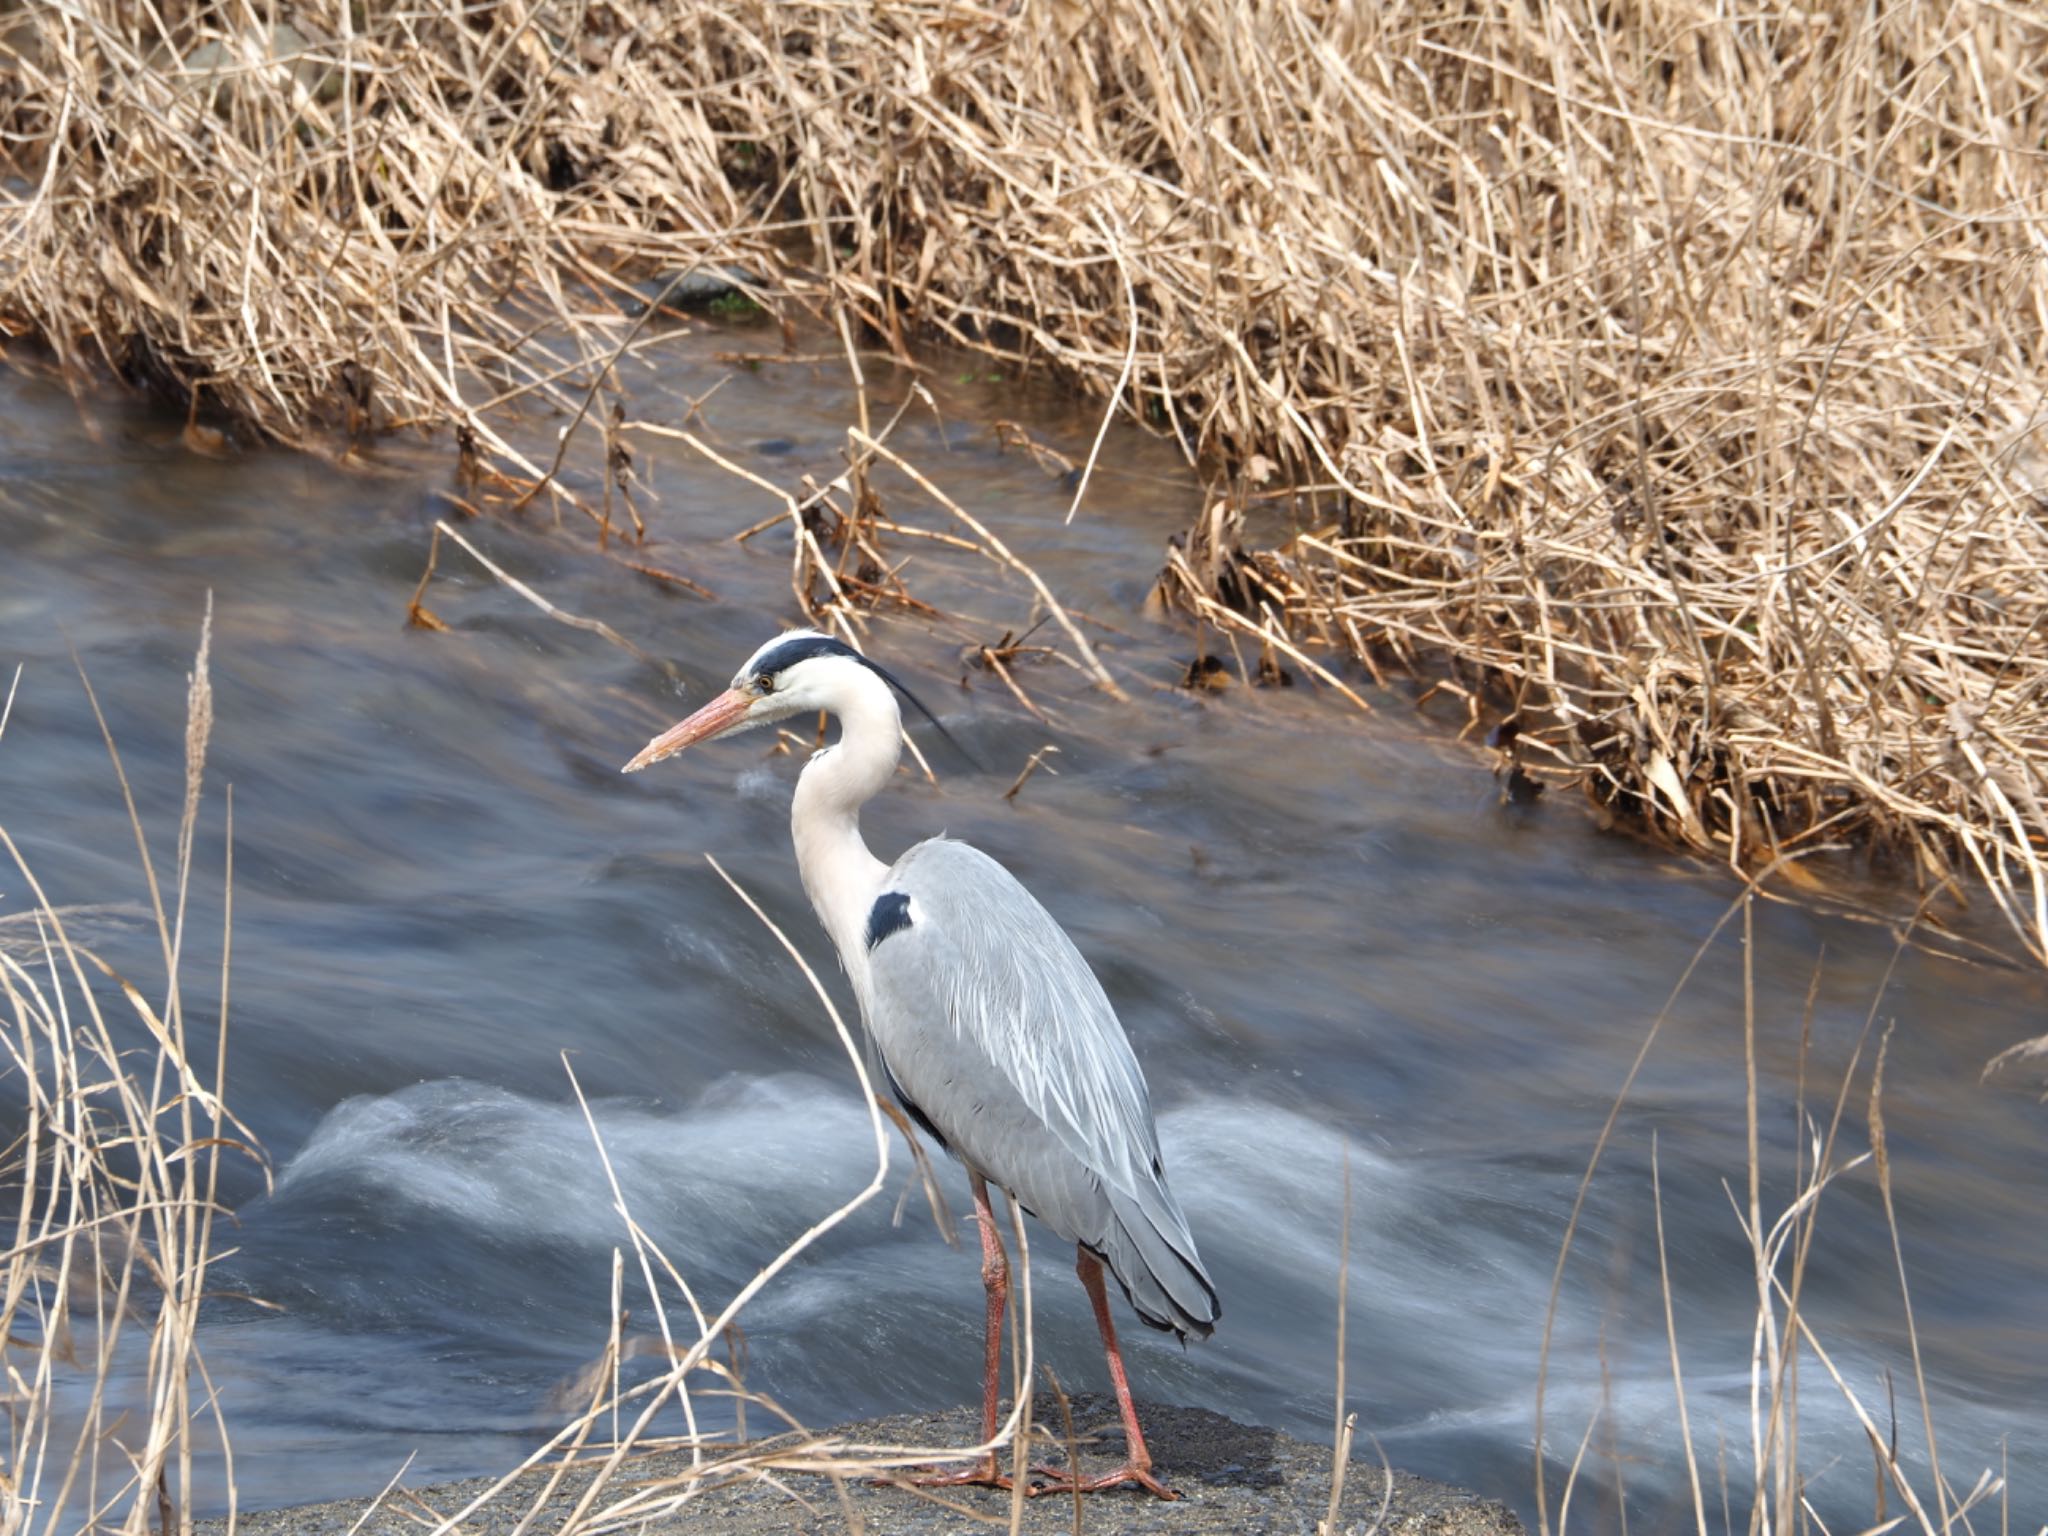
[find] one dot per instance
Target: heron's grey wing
(997, 1035)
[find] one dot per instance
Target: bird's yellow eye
(764, 684)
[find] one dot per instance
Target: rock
(1233, 1478)
(700, 287)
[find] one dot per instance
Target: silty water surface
(1336, 953)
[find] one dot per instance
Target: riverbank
(1233, 1479)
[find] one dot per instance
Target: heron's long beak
(714, 719)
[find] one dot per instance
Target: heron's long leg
(995, 1276)
(1138, 1467)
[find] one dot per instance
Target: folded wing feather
(996, 1031)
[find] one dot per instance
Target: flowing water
(1338, 955)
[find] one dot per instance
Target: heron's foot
(1066, 1480)
(978, 1474)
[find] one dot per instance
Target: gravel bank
(1233, 1478)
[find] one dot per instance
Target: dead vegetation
(118, 1134)
(1800, 1371)
(1666, 378)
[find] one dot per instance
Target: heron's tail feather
(1153, 1257)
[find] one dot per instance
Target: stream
(1342, 960)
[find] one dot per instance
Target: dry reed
(1789, 1351)
(113, 1179)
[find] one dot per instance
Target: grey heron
(995, 1035)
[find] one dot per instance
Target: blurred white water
(1448, 1275)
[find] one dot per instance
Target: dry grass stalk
(118, 1167)
(1773, 1499)
(426, 619)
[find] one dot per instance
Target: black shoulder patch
(890, 912)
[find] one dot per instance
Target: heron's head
(801, 672)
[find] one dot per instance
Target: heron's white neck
(840, 876)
